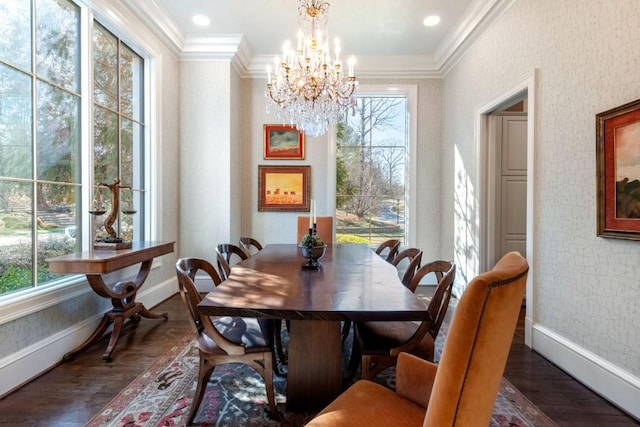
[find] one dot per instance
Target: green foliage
(14, 279)
(317, 241)
(15, 221)
(16, 268)
(350, 238)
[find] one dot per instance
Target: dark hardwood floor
(71, 393)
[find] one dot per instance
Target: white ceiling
(370, 30)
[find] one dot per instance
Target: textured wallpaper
(588, 60)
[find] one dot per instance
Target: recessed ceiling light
(432, 20)
(200, 20)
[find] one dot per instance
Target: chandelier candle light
(308, 88)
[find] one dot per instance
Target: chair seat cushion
(379, 337)
(249, 331)
(354, 408)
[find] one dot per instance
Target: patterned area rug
(235, 396)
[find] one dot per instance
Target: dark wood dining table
(353, 283)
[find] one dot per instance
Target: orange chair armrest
(414, 378)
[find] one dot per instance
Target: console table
(94, 264)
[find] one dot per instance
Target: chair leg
(204, 373)
(278, 348)
(354, 359)
(346, 327)
(268, 383)
(263, 367)
(277, 331)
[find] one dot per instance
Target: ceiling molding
(160, 21)
(480, 16)
(403, 67)
(225, 47)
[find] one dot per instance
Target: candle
(352, 65)
(314, 212)
(311, 214)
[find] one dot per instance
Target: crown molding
(225, 47)
(160, 22)
(478, 18)
(403, 67)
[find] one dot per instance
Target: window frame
(411, 93)
(30, 300)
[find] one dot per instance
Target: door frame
(525, 87)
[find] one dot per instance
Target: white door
(511, 183)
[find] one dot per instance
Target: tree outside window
(370, 171)
(41, 146)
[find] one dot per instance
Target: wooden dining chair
(224, 340)
(407, 262)
(227, 254)
(388, 249)
(324, 228)
(379, 343)
(250, 245)
(462, 388)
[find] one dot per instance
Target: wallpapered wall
(587, 58)
(279, 227)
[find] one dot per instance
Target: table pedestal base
(117, 316)
(314, 377)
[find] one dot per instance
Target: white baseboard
(616, 385)
(26, 364)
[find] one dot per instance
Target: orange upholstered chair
(460, 390)
(324, 228)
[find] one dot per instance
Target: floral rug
(236, 396)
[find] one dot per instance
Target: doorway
(495, 236)
(508, 179)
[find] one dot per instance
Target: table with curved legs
(94, 264)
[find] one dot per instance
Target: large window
(372, 147)
(118, 130)
(43, 151)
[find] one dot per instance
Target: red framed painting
(283, 142)
(283, 188)
(618, 170)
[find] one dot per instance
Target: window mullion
(34, 150)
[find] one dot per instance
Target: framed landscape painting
(283, 142)
(618, 170)
(283, 188)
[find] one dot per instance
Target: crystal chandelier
(308, 88)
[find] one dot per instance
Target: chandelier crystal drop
(309, 88)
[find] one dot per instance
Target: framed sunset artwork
(283, 188)
(618, 170)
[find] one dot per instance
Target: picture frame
(618, 171)
(284, 188)
(283, 142)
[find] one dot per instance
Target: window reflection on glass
(16, 135)
(15, 33)
(57, 42)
